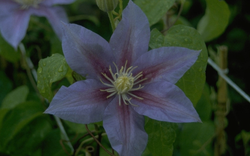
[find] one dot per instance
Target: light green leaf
(215, 20)
(7, 51)
(15, 97)
(161, 136)
(16, 119)
(183, 36)
(194, 136)
(50, 70)
(154, 10)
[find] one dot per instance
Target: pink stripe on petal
(164, 101)
(166, 63)
(82, 102)
(86, 52)
(125, 129)
(131, 37)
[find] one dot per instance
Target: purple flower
(15, 14)
(124, 81)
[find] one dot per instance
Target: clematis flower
(15, 14)
(124, 81)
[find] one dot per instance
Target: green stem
(111, 19)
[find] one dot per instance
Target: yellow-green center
(28, 3)
(122, 83)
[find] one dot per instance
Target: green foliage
(15, 97)
(183, 36)
(154, 10)
(244, 137)
(8, 52)
(5, 85)
(196, 139)
(50, 70)
(16, 119)
(51, 145)
(204, 106)
(215, 20)
(30, 138)
(161, 136)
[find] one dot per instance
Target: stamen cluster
(122, 83)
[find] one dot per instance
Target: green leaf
(204, 106)
(154, 10)
(161, 136)
(51, 145)
(5, 85)
(7, 51)
(16, 119)
(196, 139)
(56, 45)
(28, 140)
(50, 70)
(15, 97)
(215, 20)
(183, 36)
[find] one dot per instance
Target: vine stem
(86, 126)
(111, 19)
(34, 73)
(178, 16)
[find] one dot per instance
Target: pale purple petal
(82, 102)
(166, 63)
(52, 2)
(164, 101)
(55, 15)
(125, 129)
(7, 5)
(86, 52)
(131, 37)
(13, 22)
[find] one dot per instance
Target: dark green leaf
(50, 70)
(5, 85)
(196, 139)
(215, 20)
(51, 145)
(204, 106)
(183, 36)
(161, 136)
(28, 140)
(8, 52)
(16, 119)
(15, 97)
(154, 10)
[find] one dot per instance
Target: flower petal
(164, 101)
(52, 2)
(125, 129)
(82, 102)
(55, 16)
(86, 52)
(166, 63)
(131, 37)
(13, 22)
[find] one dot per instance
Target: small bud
(107, 5)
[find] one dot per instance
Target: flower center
(122, 83)
(28, 3)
